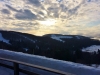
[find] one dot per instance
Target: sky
(40, 17)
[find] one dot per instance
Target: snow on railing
(17, 69)
(46, 63)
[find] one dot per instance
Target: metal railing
(17, 69)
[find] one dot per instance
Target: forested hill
(64, 47)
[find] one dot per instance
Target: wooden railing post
(16, 68)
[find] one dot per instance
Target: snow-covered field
(91, 48)
(70, 67)
(59, 37)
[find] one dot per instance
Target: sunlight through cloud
(48, 22)
(46, 16)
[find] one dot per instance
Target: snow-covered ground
(70, 67)
(4, 40)
(26, 37)
(78, 37)
(59, 37)
(96, 66)
(91, 48)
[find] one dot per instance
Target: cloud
(25, 15)
(56, 15)
(41, 13)
(11, 8)
(72, 16)
(63, 8)
(18, 29)
(35, 2)
(54, 11)
(74, 11)
(89, 0)
(25, 24)
(5, 11)
(59, 0)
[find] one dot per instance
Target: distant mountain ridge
(63, 47)
(48, 41)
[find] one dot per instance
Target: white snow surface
(91, 48)
(96, 66)
(70, 67)
(78, 37)
(4, 40)
(59, 37)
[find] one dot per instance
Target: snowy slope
(59, 38)
(4, 40)
(70, 67)
(78, 37)
(26, 37)
(91, 48)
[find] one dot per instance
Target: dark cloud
(42, 0)
(53, 10)
(40, 13)
(11, 8)
(62, 5)
(74, 11)
(63, 8)
(89, 0)
(26, 26)
(5, 11)
(56, 15)
(63, 17)
(29, 24)
(35, 2)
(59, 0)
(25, 15)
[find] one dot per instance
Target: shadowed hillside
(63, 47)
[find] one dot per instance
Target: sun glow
(48, 22)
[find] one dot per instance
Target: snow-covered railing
(68, 68)
(17, 69)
